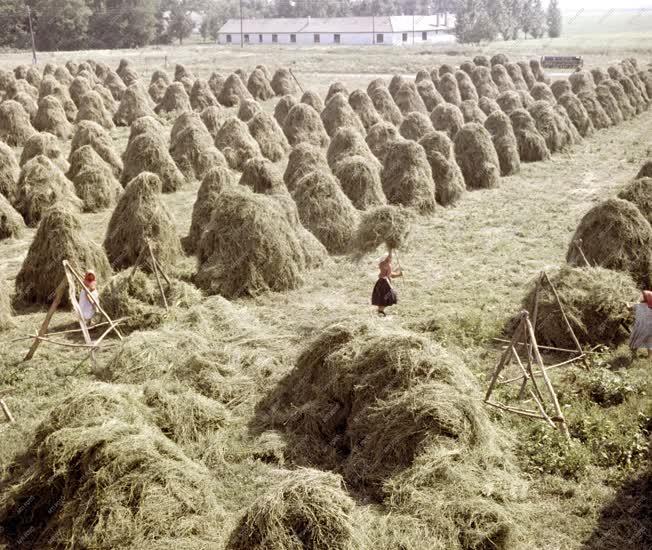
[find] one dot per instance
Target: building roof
(399, 23)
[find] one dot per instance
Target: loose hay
(577, 113)
(259, 86)
(304, 125)
(304, 158)
(94, 181)
(447, 118)
(236, 143)
(380, 136)
(338, 114)
(446, 174)
(269, 135)
(363, 107)
(283, 108)
(384, 225)
(91, 133)
(639, 193)
(500, 128)
(58, 237)
(615, 235)
(283, 83)
(141, 216)
(415, 125)
(12, 226)
(360, 181)
(201, 95)
(476, 157)
(15, 125)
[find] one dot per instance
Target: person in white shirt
(87, 307)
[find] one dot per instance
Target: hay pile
(314, 100)
(499, 59)
(593, 299)
(449, 90)
(157, 85)
(516, 75)
(577, 113)
(94, 181)
(15, 125)
(447, 118)
(446, 69)
(9, 172)
(472, 112)
(385, 105)
(644, 172)
(91, 107)
(379, 137)
(192, 149)
(384, 225)
(483, 82)
(395, 84)
(50, 87)
(259, 86)
(304, 125)
(624, 104)
(63, 76)
(609, 104)
(360, 181)
(375, 84)
(363, 107)
(326, 211)
(236, 143)
(107, 99)
(509, 101)
(338, 114)
(408, 100)
(501, 78)
(213, 118)
(141, 216)
(181, 72)
(28, 103)
(147, 152)
(531, 144)
(91, 133)
(407, 178)
(78, 88)
(115, 85)
(599, 75)
(283, 83)
(542, 92)
(500, 128)
(52, 118)
(639, 193)
(446, 174)
(304, 509)
(283, 108)
(476, 157)
(201, 95)
(430, 95)
(415, 125)
(40, 185)
(269, 136)
(598, 116)
(304, 158)
(482, 61)
(346, 143)
(59, 237)
(615, 235)
(526, 72)
(248, 109)
(336, 88)
(549, 125)
(43, 143)
(133, 105)
(488, 105)
(6, 311)
(561, 87)
(174, 102)
(538, 73)
(216, 83)
(581, 81)
(248, 247)
(466, 86)
(12, 225)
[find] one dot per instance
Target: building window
(293, 38)
(424, 36)
(260, 38)
(317, 39)
(380, 38)
(246, 38)
(275, 38)
(404, 37)
(337, 38)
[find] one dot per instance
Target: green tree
(554, 19)
(473, 22)
(180, 25)
(533, 18)
(61, 24)
(124, 23)
(218, 14)
(14, 23)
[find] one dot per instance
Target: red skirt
(383, 294)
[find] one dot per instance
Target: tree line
(106, 24)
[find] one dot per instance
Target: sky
(567, 5)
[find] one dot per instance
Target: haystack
(408, 100)
(449, 90)
(599, 75)
(407, 178)
(236, 143)
(305, 508)
(446, 69)
(577, 113)
(338, 114)
(259, 86)
(500, 128)
(538, 73)
(15, 126)
(262, 176)
(488, 105)
(646, 80)
(466, 86)
(472, 112)
(115, 85)
(248, 247)
(141, 217)
(107, 99)
(248, 109)
(147, 153)
(158, 84)
(50, 87)
(482, 61)
(304, 158)
(531, 144)
(581, 81)
(547, 123)
(193, 151)
(624, 104)
(346, 143)
(501, 78)
(174, 102)
(6, 310)
(499, 59)
(20, 71)
(326, 211)
(12, 226)
(314, 100)
(59, 237)
(476, 157)
(181, 71)
(644, 172)
(467, 66)
(561, 87)
(598, 116)
(9, 172)
(216, 180)
(615, 235)
(269, 135)
(28, 103)
(216, 82)
(385, 225)
(41, 185)
(484, 84)
(375, 84)
(91, 107)
(52, 118)
(509, 101)
(33, 76)
(379, 137)
(422, 74)
(133, 105)
(129, 76)
(516, 75)
(385, 106)
(303, 124)
(336, 88)
(542, 92)
(415, 125)
(201, 95)
(526, 99)
(63, 76)
(91, 133)
(429, 94)
(639, 193)
(95, 184)
(634, 94)
(395, 84)
(213, 118)
(283, 108)
(447, 118)
(78, 88)
(360, 181)
(446, 173)
(283, 83)
(592, 298)
(363, 107)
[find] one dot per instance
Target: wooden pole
(563, 314)
(504, 357)
(297, 81)
(58, 295)
(547, 348)
(578, 245)
(6, 411)
(542, 410)
(162, 271)
(516, 410)
(158, 278)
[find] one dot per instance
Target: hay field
(199, 401)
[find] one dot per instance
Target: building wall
(351, 39)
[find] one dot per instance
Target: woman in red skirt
(384, 294)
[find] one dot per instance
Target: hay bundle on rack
(447, 118)
(201, 95)
(158, 84)
(624, 104)
(91, 107)
(407, 178)
(466, 86)
(12, 226)
(236, 143)
(360, 181)
(304, 158)
(531, 144)
(542, 92)
(141, 216)
(484, 84)
(133, 105)
(233, 92)
(363, 107)
(95, 184)
(446, 173)
(408, 100)
(147, 152)
(303, 124)
(9, 172)
(577, 113)
(283, 107)
(449, 90)
(379, 137)
(385, 106)
(338, 114)
(314, 100)
(501, 78)
(283, 83)
(430, 95)
(91, 133)
(193, 151)
(472, 112)
(509, 101)
(259, 86)
(639, 193)
(52, 118)
(476, 157)
(346, 143)
(174, 102)
(415, 125)
(598, 116)
(538, 73)
(395, 84)
(336, 88)
(248, 109)
(40, 185)
(500, 128)
(43, 143)
(581, 81)
(213, 118)
(59, 237)
(15, 125)
(488, 105)
(615, 235)
(269, 135)
(561, 87)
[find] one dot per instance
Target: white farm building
(394, 30)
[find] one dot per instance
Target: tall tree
(124, 23)
(61, 24)
(473, 23)
(15, 24)
(554, 19)
(533, 18)
(180, 24)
